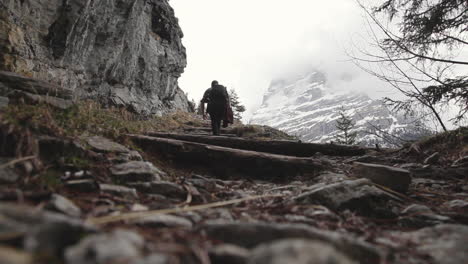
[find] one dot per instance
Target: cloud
(246, 43)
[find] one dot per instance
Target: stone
(7, 174)
(115, 247)
(118, 190)
(456, 204)
(203, 183)
(228, 254)
(394, 178)
(297, 251)
(86, 185)
(113, 63)
(355, 195)
(162, 221)
(250, 235)
(136, 171)
(104, 145)
(417, 216)
(446, 243)
(432, 159)
(126, 157)
(164, 188)
(42, 232)
(63, 205)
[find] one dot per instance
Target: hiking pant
(216, 119)
(217, 114)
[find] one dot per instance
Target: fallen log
(281, 147)
(226, 162)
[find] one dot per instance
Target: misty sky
(244, 44)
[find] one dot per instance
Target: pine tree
(237, 107)
(345, 124)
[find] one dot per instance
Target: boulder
(298, 251)
(394, 178)
(355, 195)
(250, 235)
(120, 246)
(136, 171)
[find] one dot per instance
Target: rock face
(122, 52)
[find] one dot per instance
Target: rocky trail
(189, 197)
(102, 160)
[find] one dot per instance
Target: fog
(244, 44)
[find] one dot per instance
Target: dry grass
(451, 145)
(90, 118)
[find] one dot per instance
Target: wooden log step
(281, 147)
(226, 162)
(228, 131)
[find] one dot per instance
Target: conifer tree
(237, 107)
(345, 124)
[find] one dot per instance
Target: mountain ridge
(307, 106)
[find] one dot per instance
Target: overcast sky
(244, 44)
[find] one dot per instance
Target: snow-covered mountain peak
(306, 106)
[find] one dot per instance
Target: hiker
(218, 102)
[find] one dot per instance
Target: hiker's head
(214, 83)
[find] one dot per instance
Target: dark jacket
(217, 98)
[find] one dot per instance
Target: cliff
(122, 52)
